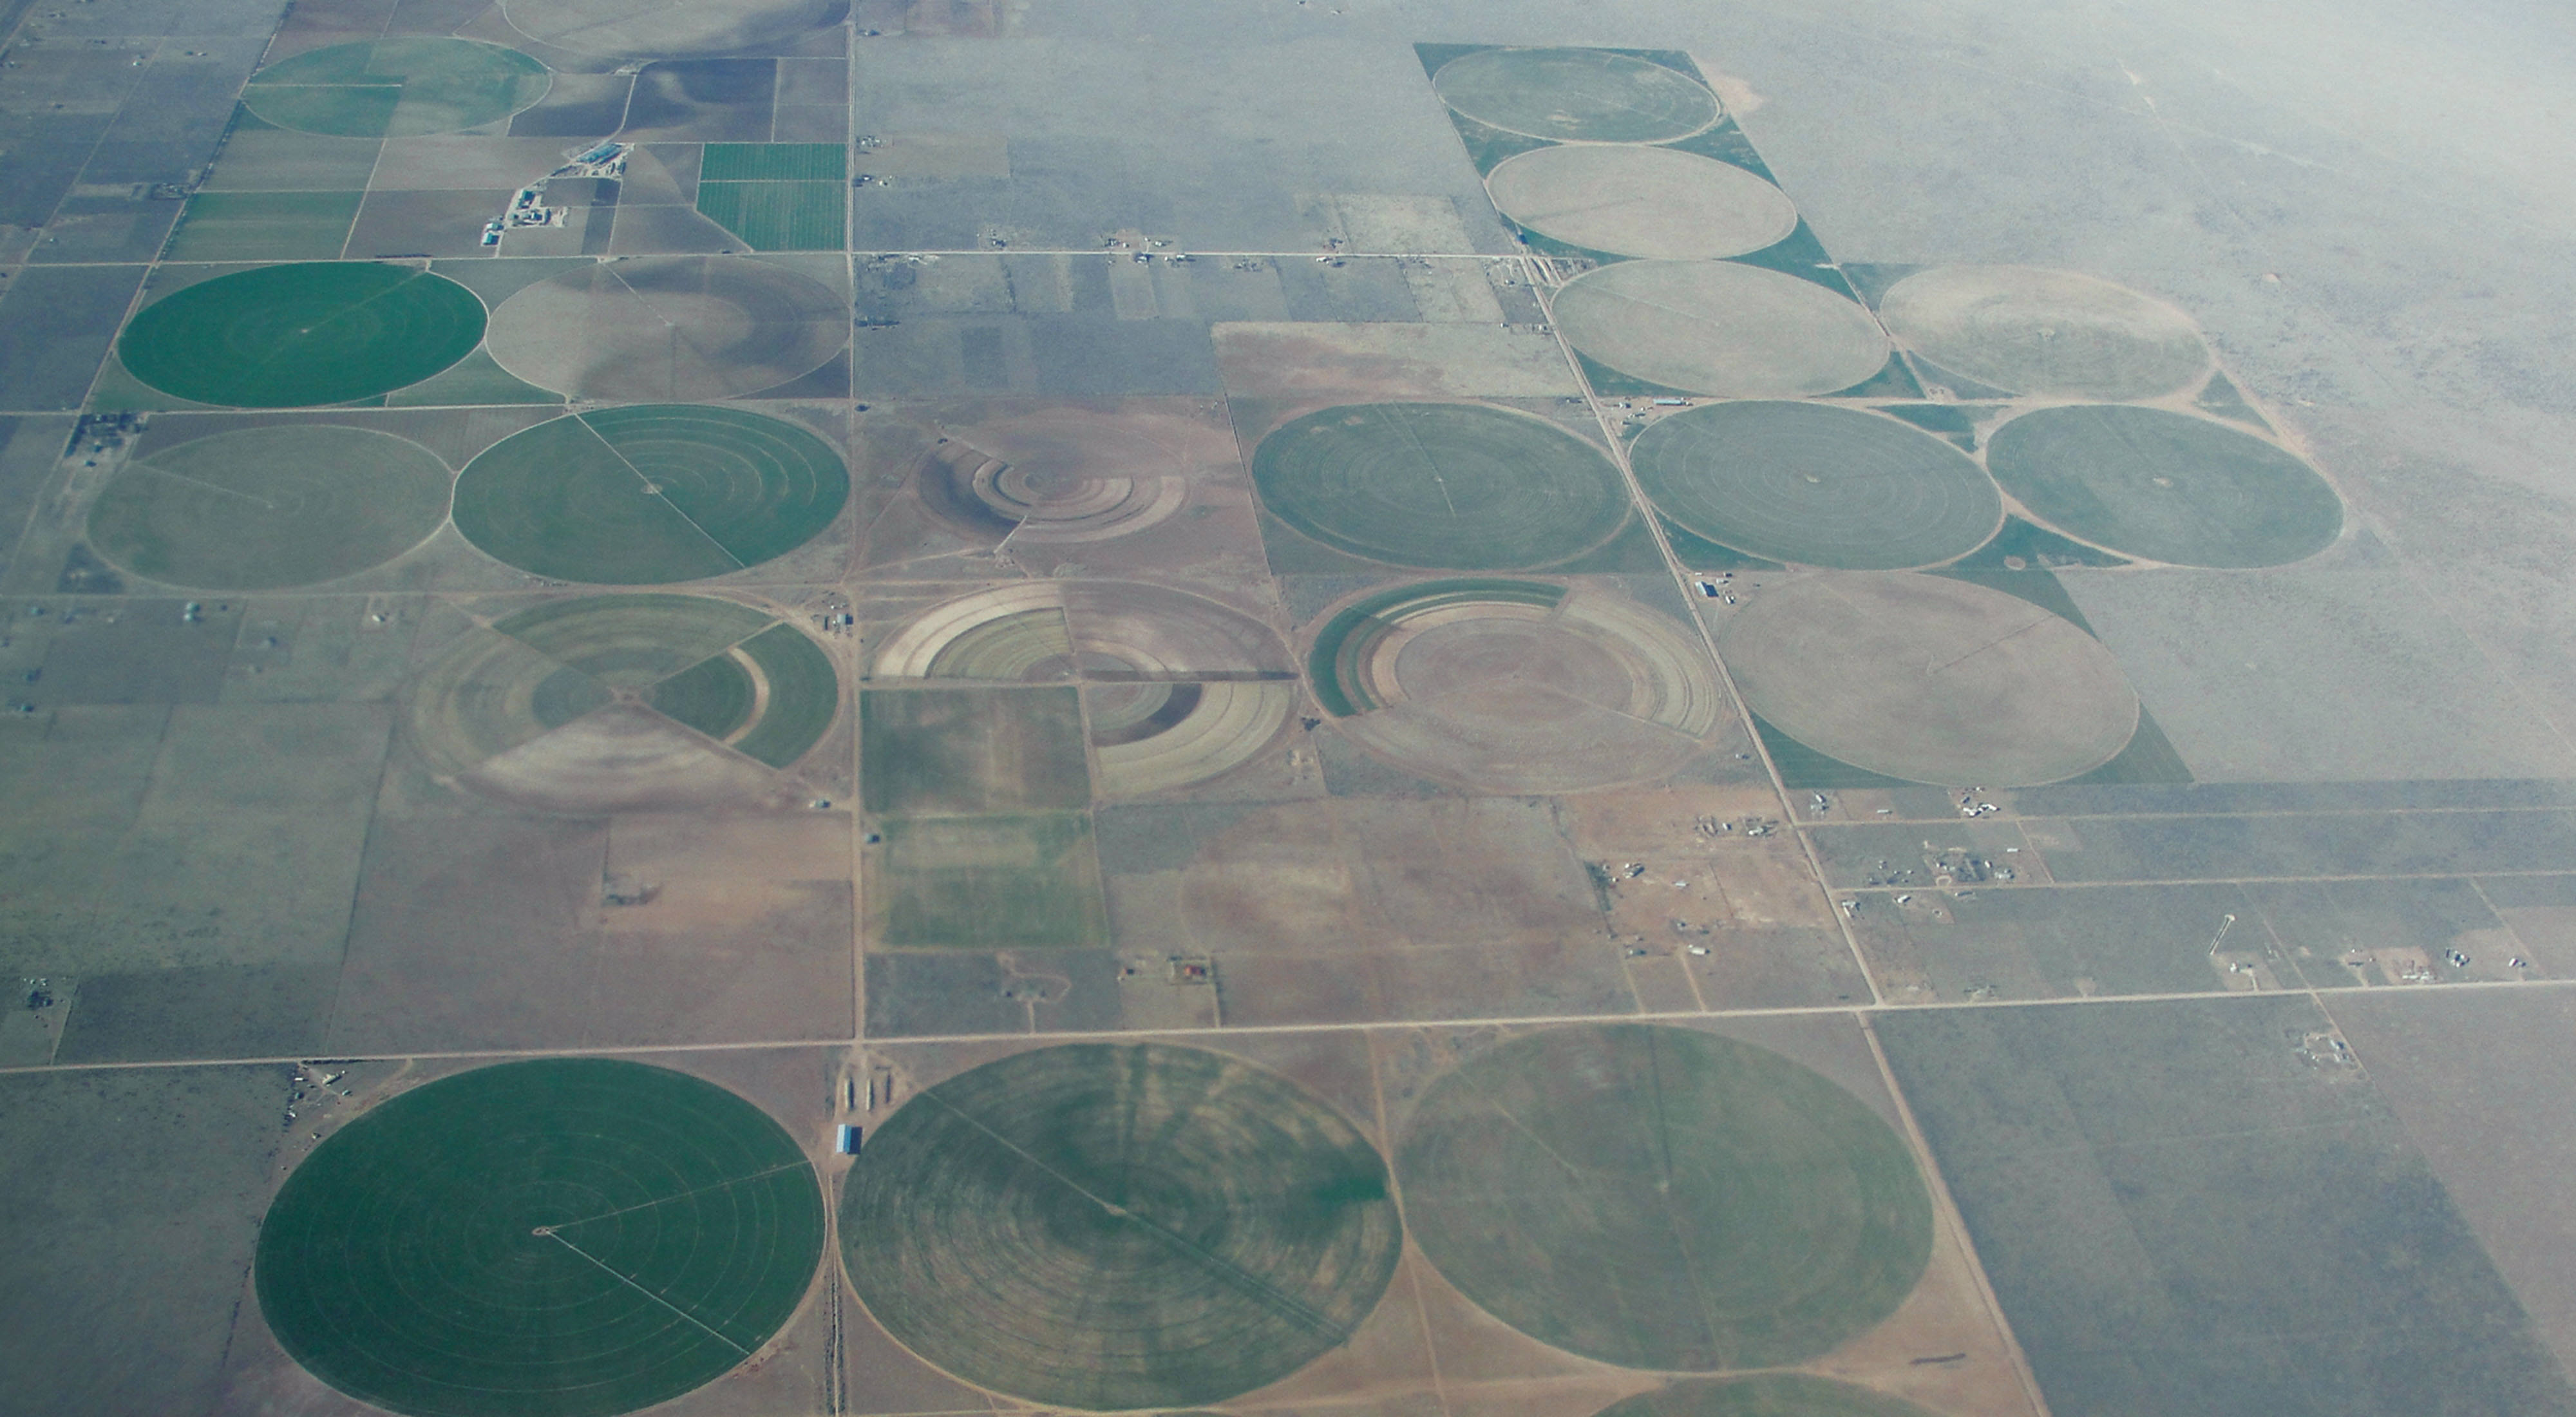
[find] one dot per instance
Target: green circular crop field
(1817, 485)
(2168, 486)
(288, 336)
(1663, 1198)
(561, 1238)
(1441, 485)
(268, 507)
(1586, 95)
(1762, 1395)
(396, 88)
(650, 494)
(1112, 1226)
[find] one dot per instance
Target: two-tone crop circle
(2148, 482)
(1584, 95)
(650, 494)
(1112, 1226)
(572, 1236)
(1663, 1198)
(1817, 485)
(317, 333)
(396, 88)
(1443, 485)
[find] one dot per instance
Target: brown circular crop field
(1641, 201)
(2031, 331)
(669, 329)
(1717, 327)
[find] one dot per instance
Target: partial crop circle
(2166, 486)
(579, 1237)
(396, 88)
(1113, 1226)
(1716, 327)
(1663, 1198)
(1817, 485)
(1440, 485)
(657, 29)
(1929, 679)
(1585, 95)
(2031, 331)
(669, 328)
(288, 336)
(267, 507)
(1641, 201)
(1511, 686)
(650, 494)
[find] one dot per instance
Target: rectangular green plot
(988, 883)
(264, 226)
(779, 216)
(775, 162)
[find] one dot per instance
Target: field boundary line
(647, 1293)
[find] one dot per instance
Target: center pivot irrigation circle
(650, 494)
(1716, 327)
(2032, 331)
(669, 327)
(1448, 486)
(629, 29)
(1818, 486)
(1929, 679)
(2165, 485)
(1113, 1226)
(268, 507)
(574, 1237)
(286, 336)
(1641, 201)
(1662, 1198)
(1586, 95)
(400, 88)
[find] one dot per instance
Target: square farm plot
(264, 226)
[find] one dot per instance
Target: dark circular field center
(267, 507)
(287, 336)
(650, 494)
(1449, 486)
(396, 88)
(2165, 485)
(568, 1237)
(1111, 1226)
(1663, 1198)
(1818, 486)
(1589, 95)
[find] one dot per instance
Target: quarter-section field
(1588, 95)
(571, 1237)
(1763, 1395)
(1641, 201)
(1112, 1226)
(650, 494)
(396, 88)
(1929, 679)
(267, 507)
(2168, 486)
(1716, 327)
(628, 29)
(1662, 1198)
(1817, 485)
(1516, 686)
(2032, 331)
(669, 327)
(316, 333)
(621, 702)
(1445, 486)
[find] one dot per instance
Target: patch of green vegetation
(987, 883)
(2152, 483)
(1894, 380)
(1698, 553)
(779, 216)
(1441, 486)
(1763, 1395)
(2219, 396)
(1119, 1226)
(1800, 254)
(1663, 1198)
(1610, 383)
(563, 1238)
(1347, 636)
(804, 694)
(478, 378)
(2034, 585)
(713, 696)
(260, 508)
(396, 88)
(969, 751)
(1724, 140)
(290, 336)
(774, 162)
(1956, 422)
(263, 226)
(757, 486)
